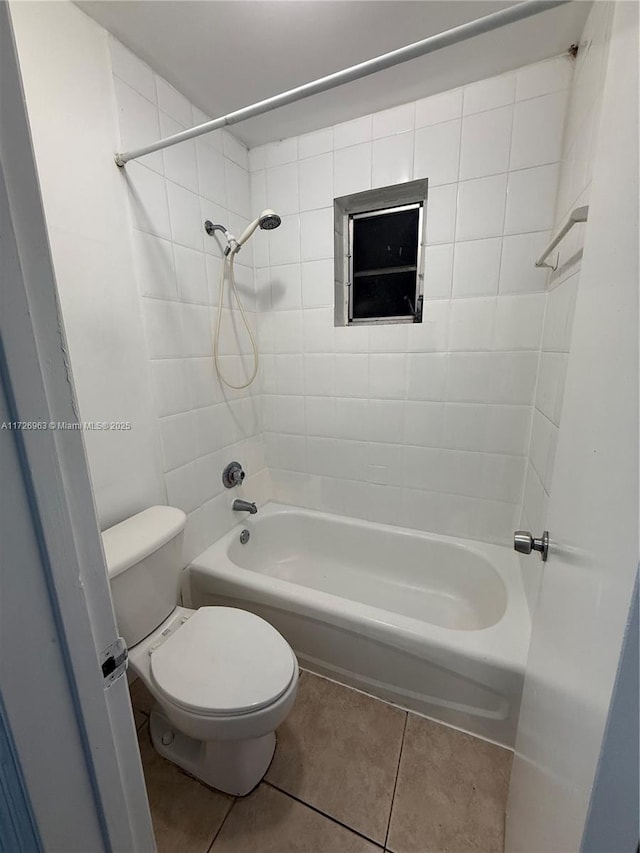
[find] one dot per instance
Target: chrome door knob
(524, 543)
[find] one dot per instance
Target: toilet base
(232, 766)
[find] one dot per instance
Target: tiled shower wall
(203, 426)
(425, 425)
(576, 172)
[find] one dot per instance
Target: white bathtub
(432, 623)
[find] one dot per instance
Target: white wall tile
(257, 158)
(481, 205)
(154, 266)
(284, 241)
(191, 275)
(315, 143)
(317, 283)
(163, 328)
(170, 388)
(202, 382)
(352, 132)
(319, 374)
(316, 182)
(518, 273)
(465, 426)
(531, 199)
(507, 429)
(396, 120)
(387, 376)
(351, 375)
(427, 376)
(316, 234)
(278, 153)
(489, 94)
(486, 140)
(384, 420)
(471, 324)
(392, 160)
(238, 190)
(179, 160)
(457, 387)
(352, 169)
(211, 173)
(476, 267)
(196, 330)
(441, 214)
(438, 271)
(424, 424)
(289, 372)
(171, 102)
(235, 150)
(436, 154)
(286, 292)
(438, 108)
(148, 200)
(178, 438)
(139, 123)
(468, 378)
(432, 335)
(538, 128)
(542, 78)
(282, 188)
(519, 321)
(184, 211)
(128, 67)
(513, 377)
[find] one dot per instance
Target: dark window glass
(389, 295)
(386, 240)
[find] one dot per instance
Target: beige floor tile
(141, 699)
(139, 719)
(338, 751)
(186, 814)
(451, 792)
(268, 821)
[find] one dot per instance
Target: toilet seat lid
(223, 661)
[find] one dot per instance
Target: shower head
(268, 220)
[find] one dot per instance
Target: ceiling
(227, 54)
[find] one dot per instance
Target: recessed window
(379, 239)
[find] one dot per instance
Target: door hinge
(114, 660)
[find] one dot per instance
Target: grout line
(219, 829)
(324, 814)
(395, 783)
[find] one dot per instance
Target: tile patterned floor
(351, 774)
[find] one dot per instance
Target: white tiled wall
(171, 193)
(425, 425)
(575, 180)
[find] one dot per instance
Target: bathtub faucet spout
(244, 506)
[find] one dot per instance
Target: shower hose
(216, 337)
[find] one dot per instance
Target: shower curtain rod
(355, 72)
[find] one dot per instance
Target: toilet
(223, 679)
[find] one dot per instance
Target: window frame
(371, 203)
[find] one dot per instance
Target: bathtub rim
(503, 644)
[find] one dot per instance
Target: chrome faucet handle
(233, 475)
(524, 543)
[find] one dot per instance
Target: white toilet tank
(144, 561)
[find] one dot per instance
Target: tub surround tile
(186, 814)
(451, 792)
(271, 822)
(338, 751)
